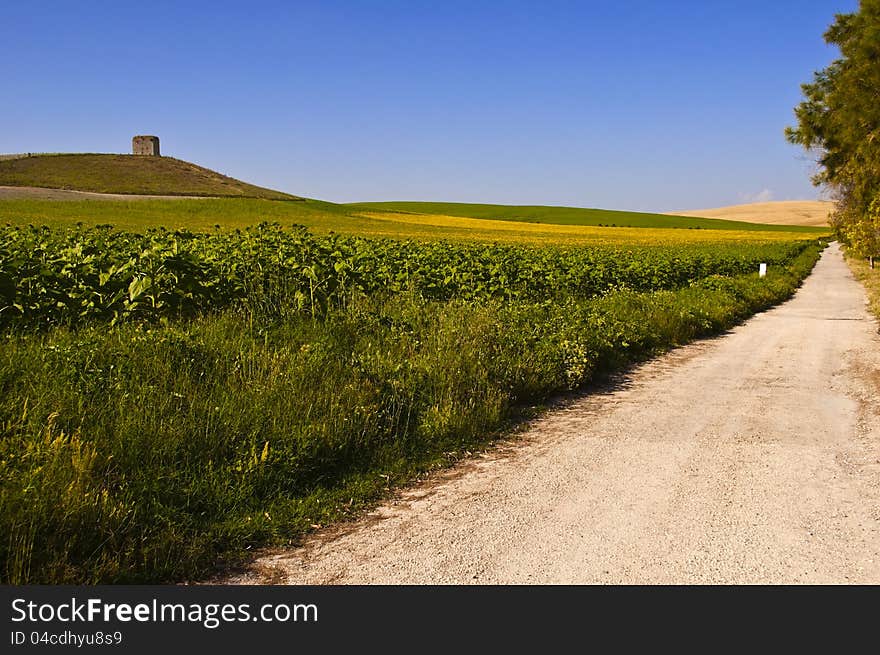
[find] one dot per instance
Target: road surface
(753, 457)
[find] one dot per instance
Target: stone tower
(145, 145)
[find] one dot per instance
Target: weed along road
(753, 457)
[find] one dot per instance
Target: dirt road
(41, 193)
(753, 457)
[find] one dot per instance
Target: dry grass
(454, 227)
(787, 212)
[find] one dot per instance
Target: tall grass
(133, 454)
(570, 216)
(870, 279)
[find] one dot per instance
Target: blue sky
(630, 104)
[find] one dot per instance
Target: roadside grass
(205, 215)
(108, 173)
(155, 454)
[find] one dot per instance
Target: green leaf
(138, 286)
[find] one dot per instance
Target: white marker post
(762, 270)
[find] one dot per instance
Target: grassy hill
(568, 216)
(127, 174)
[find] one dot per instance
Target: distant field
(459, 227)
(813, 213)
(563, 215)
(126, 174)
(322, 217)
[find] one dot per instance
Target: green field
(126, 174)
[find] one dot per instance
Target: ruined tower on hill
(145, 145)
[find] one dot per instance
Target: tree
(864, 235)
(839, 120)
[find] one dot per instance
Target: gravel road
(750, 458)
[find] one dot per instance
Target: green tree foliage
(839, 119)
(864, 235)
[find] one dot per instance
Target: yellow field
(393, 224)
(208, 215)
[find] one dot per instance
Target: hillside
(812, 213)
(564, 216)
(126, 174)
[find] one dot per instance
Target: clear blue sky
(624, 104)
